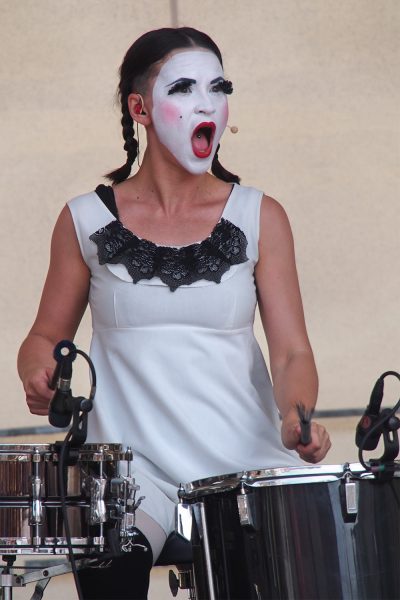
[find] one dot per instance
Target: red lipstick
(202, 139)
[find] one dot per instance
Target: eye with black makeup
(184, 86)
(224, 85)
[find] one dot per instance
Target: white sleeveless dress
(180, 376)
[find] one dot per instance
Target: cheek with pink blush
(225, 112)
(169, 112)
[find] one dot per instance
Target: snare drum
(31, 519)
(317, 532)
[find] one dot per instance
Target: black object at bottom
(176, 551)
(125, 578)
(303, 544)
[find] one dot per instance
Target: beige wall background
(316, 101)
(317, 105)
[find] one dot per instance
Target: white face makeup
(190, 110)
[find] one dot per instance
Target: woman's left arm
(293, 370)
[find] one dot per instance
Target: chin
(197, 166)
(198, 169)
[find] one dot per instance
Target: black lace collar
(209, 259)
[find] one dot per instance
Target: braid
(131, 146)
(128, 133)
(218, 170)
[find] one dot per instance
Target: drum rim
(274, 476)
(30, 447)
(23, 452)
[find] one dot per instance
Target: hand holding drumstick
(308, 438)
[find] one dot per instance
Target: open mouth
(202, 139)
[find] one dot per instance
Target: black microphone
(60, 409)
(364, 439)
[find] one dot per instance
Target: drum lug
(128, 513)
(124, 490)
(97, 488)
(351, 491)
(349, 498)
(245, 514)
(37, 506)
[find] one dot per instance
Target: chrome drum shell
(326, 532)
(30, 502)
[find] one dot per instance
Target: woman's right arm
(64, 300)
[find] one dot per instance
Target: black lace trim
(209, 259)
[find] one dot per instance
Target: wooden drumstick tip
(233, 128)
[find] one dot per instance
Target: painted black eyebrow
(188, 80)
(182, 80)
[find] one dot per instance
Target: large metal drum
(31, 519)
(318, 532)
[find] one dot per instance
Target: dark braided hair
(219, 171)
(135, 71)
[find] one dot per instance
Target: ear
(137, 109)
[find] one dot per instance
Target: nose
(205, 104)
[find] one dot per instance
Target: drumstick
(305, 417)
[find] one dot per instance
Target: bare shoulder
(273, 210)
(64, 238)
(64, 221)
(66, 260)
(274, 224)
(65, 254)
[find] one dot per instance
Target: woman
(180, 375)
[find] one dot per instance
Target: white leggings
(154, 533)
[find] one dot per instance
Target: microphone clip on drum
(61, 405)
(376, 423)
(367, 434)
(64, 406)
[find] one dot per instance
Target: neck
(169, 183)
